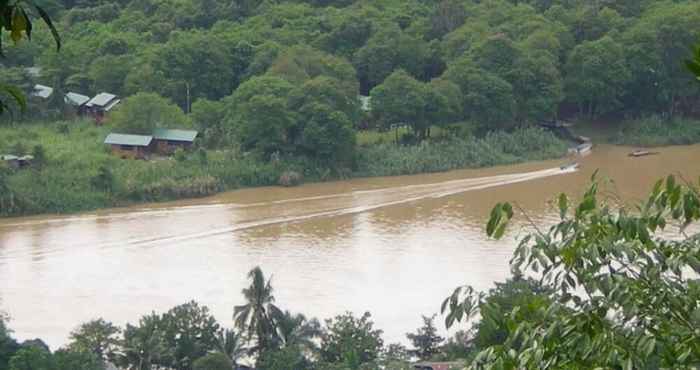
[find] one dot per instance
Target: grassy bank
(656, 131)
(454, 153)
(80, 174)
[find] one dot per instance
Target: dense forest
(495, 64)
(315, 90)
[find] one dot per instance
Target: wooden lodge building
(167, 141)
(162, 142)
(13, 161)
(100, 105)
(77, 103)
(130, 146)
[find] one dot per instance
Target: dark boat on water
(642, 153)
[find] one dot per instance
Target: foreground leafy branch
(15, 18)
(624, 293)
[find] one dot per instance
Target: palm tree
(232, 345)
(297, 330)
(257, 317)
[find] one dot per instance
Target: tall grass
(75, 156)
(454, 153)
(657, 131)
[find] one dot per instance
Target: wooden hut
(77, 103)
(167, 141)
(130, 146)
(100, 105)
(10, 160)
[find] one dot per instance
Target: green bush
(455, 153)
(212, 361)
(657, 131)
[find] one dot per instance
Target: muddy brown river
(392, 246)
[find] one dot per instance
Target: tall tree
(98, 336)
(426, 342)
(351, 341)
(596, 75)
(297, 330)
(232, 345)
(257, 317)
(189, 333)
(141, 113)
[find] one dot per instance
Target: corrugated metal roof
(101, 100)
(8, 157)
(125, 139)
(33, 71)
(174, 135)
(76, 99)
(365, 103)
(42, 91)
(112, 104)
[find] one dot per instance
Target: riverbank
(652, 131)
(79, 174)
(656, 131)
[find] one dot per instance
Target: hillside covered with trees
(284, 81)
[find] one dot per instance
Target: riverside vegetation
(606, 290)
(64, 179)
(273, 88)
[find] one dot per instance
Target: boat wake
(365, 201)
(228, 217)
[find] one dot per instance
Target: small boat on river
(642, 153)
(570, 166)
(584, 148)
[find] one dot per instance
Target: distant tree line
(187, 337)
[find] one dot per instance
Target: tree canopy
(613, 289)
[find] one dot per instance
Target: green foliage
(8, 345)
(207, 117)
(596, 76)
(693, 64)
(231, 344)
(77, 360)
(287, 358)
(17, 19)
(141, 113)
(175, 339)
(189, 333)
(32, 358)
(657, 131)
(257, 318)
(453, 153)
(425, 340)
(104, 180)
(351, 341)
(98, 337)
(39, 155)
(212, 361)
(401, 99)
(616, 292)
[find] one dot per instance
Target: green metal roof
(174, 135)
(76, 99)
(124, 139)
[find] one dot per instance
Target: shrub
(212, 361)
(658, 131)
(290, 178)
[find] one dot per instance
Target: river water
(392, 246)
